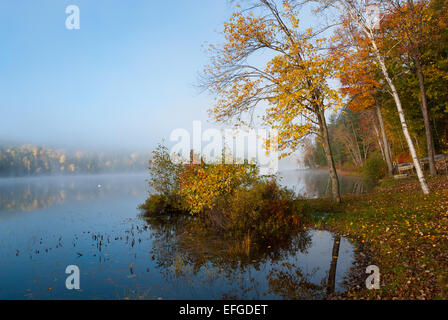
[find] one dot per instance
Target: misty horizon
(118, 83)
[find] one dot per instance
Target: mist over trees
(30, 160)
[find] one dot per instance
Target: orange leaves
(356, 71)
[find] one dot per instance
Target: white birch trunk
(356, 15)
(404, 126)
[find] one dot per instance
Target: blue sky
(124, 80)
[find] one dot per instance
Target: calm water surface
(93, 222)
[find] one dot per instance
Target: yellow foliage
(201, 186)
(293, 84)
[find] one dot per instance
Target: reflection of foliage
(33, 194)
(183, 245)
(34, 160)
(224, 249)
(255, 224)
(317, 184)
(24, 198)
(289, 282)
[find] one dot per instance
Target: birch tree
(357, 12)
(359, 80)
(406, 21)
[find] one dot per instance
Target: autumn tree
(356, 11)
(405, 22)
(360, 84)
(291, 88)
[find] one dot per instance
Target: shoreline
(397, 228)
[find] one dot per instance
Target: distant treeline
(30, 160)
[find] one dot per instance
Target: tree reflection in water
(334, 263)
(184, 249)
(316, 183)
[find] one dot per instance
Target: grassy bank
(397, 228)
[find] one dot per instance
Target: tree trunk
(404, 125)
(387, 152)
(329, 156)
(378, 139)
(424, 106)
(356, 144)
(355, 15)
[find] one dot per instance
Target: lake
(49, 223)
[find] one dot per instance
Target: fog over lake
(48, 223)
